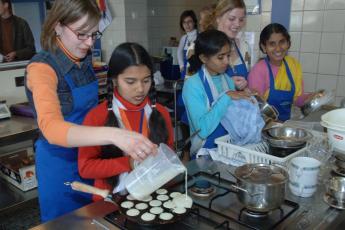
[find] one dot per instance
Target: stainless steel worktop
(15, 133)
(313, 212)
(16, 129)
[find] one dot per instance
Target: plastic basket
(257, 153)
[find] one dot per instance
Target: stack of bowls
(335, 194)
(285, 140)
(334, 121)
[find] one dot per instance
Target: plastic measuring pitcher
(153, 172)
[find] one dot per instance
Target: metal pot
(336, 188)
(261, 187)
(285, 136)
(320, 98)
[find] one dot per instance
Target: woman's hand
(134, 144)
(240, 82)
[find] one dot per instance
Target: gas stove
(216, 206)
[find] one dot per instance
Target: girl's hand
(240, 82)
(134, 144)
(236, 95)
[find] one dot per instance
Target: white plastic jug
(154, 172)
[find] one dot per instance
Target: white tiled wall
(318, 29)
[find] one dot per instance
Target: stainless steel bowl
(285, 136)
(313, 104)
(336, 188)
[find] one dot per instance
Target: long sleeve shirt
(89, 162)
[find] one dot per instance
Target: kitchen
(312, 25)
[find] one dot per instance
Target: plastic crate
(257, 153)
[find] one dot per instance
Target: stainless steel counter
(15, 133)
(16, 129)
(313, 212)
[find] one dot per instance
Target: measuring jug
(153, 172)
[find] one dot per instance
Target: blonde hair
(220, 9)
(67, 12)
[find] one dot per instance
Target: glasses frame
(83, 37)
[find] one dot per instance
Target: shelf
(10, 196)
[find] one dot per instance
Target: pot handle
(246, 191)
(81, 187)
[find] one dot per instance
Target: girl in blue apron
(209, 92)
(189, 25)
(61, 88)
(230, 18)
(278, 77)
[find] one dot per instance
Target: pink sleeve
(258, 79)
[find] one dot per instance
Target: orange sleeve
(168, 122)
(42, 82)
(90, 163)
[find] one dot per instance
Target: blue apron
(184, 71)
(181, 110)
(56, 165)
(238, 70)
(281, 99)
(219, 131)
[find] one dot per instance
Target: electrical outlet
(19, 81)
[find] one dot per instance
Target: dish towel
(243, 122)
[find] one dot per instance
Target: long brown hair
(67, 12)
(220, 9)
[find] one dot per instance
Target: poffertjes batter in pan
(148, 216)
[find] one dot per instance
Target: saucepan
(144, 207)
(260, 187)
(268, 112)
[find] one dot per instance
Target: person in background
(189, 25)
(278, 78)
(209, 92)
(16, 39)
(131, 105)
(229, 16)
(62, 88)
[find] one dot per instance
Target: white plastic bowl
(336, 137)
(334, 118)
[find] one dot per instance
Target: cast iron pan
(157, 221)
(118, 199)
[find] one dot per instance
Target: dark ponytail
(157, 126)
(208, 43)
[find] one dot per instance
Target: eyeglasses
(81, 36)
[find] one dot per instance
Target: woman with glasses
(62, 89)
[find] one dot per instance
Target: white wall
(317, 30)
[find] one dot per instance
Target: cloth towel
(243, 122)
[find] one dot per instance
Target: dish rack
(258, 153)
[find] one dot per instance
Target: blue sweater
(195, 99)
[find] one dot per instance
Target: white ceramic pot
(336, 137)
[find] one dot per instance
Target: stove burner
(202, 188)
(254, 214)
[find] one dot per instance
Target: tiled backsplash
(317, 29)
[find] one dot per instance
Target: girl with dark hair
(209, 92)
(131, 104)
(189, 25)
(278, 78)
